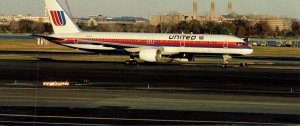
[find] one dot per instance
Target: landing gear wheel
(243, 65)
(127, 62)
(224, 65)
(131, 62)
(134, 62)
(226, 59)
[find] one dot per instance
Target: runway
(146, 94)
(92, 106)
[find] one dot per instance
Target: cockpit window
(241, 43)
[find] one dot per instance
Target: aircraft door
(182, 43)
(225, 44)
(75, 41)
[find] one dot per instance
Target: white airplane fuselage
(169, 43)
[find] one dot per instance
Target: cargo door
(182, 43)
(75, 40)
(225, 44)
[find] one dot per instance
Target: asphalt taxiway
(188, 76)
(146, 94)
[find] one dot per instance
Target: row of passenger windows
(156, 41)
(139, 40)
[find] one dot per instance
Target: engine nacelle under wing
(150, 55)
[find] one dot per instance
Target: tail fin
(60, 20)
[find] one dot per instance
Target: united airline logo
(58, 18)
(185, 37)
(182, 37)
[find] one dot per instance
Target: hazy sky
(145, 8)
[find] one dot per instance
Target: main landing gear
(132, 61)
(226, 59)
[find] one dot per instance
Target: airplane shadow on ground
(115, 62)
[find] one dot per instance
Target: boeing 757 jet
(149, 47)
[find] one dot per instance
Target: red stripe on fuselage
(159, 42)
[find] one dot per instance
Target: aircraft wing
(52, 39)
(116, 45)
(127, 47)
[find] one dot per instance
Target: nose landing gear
(226, 59)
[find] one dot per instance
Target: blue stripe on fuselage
(157, 45)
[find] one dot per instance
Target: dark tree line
(241, 28)
(295, 28)
(26, 26)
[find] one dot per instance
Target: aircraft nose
(250, 50)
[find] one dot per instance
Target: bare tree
(172, 18)
(296, 27)
(14, 26)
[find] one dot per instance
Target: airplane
(149, 47)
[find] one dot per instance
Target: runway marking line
(49, 123)
(41, 89)
(41, 98)
(146, 120)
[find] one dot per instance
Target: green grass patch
(31, 45)
(17, 57)
(115, 58)
(90, 58)
(276, 51)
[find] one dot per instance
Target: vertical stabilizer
(60, 20)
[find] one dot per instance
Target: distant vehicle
(149, 47)
(295, 44)
(271, 43)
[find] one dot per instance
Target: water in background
(17, 37)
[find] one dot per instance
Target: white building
(8, 19)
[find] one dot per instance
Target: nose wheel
(226, 59)
(132, 62)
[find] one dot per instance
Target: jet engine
(150, 55)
